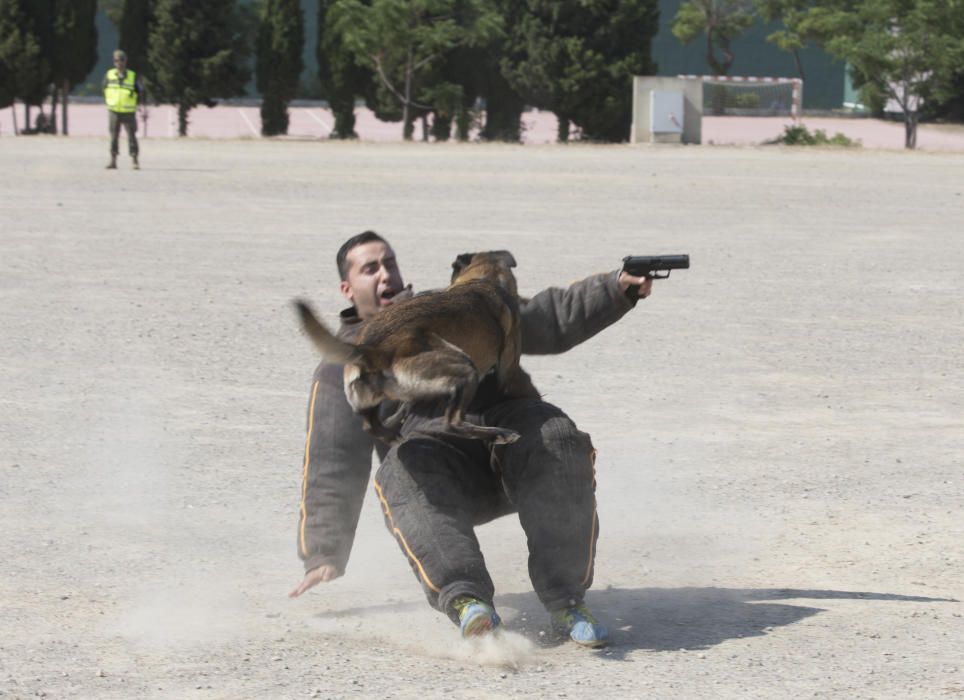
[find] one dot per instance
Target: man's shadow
(664, 619)
(671, 619)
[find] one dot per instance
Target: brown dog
(436, 345)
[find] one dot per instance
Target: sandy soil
(779, 427)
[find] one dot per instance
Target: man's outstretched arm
(337, 464)
(556, 319)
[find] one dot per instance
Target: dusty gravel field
(780, 428)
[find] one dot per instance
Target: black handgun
(652, 265)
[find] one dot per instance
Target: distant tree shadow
(666, 619)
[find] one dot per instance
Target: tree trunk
(710, 56)
(796, 59)
(26, 117)
(63, 108)
(424, 120)
(13, 111)
(562, 129)
(910, 128)
(52, 124)
(441, 126)
(344, 121)
(463, 119)
(182, 111)
(407, 122)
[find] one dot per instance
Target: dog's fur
(436, 346)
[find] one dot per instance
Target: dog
(436, 345)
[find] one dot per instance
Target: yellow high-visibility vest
(121, 95)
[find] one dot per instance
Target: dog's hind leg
(398, 417)
(446, 373)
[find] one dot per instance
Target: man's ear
(346, 291)
(461, 262)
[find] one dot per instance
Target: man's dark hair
(341, 258)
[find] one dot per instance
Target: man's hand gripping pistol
(651, 266)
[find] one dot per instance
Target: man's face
(373, 278)
(120, 64)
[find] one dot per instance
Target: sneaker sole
(597, 644)
(482, 624)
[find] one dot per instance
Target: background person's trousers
(129, 121)
(434, 490)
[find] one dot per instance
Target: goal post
(738, 95)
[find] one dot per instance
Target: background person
(435, 489)
(122, 91)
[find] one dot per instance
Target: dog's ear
(461, 262)
(504, 256)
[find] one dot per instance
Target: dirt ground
(779, 428)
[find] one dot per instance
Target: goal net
(725, 95)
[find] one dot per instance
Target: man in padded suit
(434, 488)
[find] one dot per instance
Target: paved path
(244, 122)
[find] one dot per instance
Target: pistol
(652, 265)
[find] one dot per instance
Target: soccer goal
(747, 96)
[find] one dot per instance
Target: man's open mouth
(388, 295)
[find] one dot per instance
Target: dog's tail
(332, 349)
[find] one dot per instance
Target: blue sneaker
(476, 617)
(580, 626)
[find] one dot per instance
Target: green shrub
(799, 135)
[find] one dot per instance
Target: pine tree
(198, 52)
(720, 21)
(281, 38)
(907, 51)
(406, 41)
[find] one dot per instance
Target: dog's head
(494, 265)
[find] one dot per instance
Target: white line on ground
(319, 120)
(248, 122)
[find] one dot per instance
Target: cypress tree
(24, 70)
(577, 59)
(198, 52)
(342, 79)
(281, 38)
(20, 56)
(38, 16)
(73, 50)
(134, 34)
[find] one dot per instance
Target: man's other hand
(627, 280)
(321, 574)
